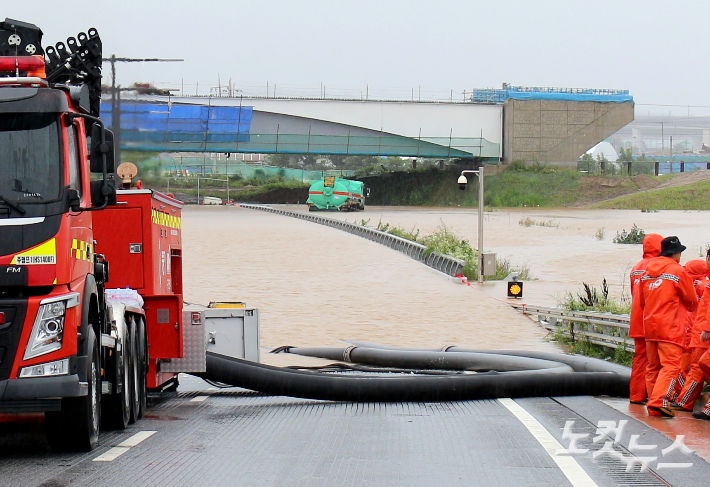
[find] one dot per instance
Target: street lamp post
(462, 185)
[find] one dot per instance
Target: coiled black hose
(424, 359)
(373, 388)
(579, 363)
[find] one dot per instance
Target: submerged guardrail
(442, 263)
(606, 329)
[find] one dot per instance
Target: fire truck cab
(69, 347)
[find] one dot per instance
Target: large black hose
(421, 359)
(373, 388)
(579, 363)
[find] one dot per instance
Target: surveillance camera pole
(479, 172)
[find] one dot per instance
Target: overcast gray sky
(656, 49)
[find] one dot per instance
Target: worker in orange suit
(695, 378)
(637, 386)
(697, 270)
(666, 295)
(704, 364)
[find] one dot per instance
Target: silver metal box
(489, 264)
(233, 332)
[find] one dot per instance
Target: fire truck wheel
(143, 369)
(135, 367)
(116, 407)
(76, 426)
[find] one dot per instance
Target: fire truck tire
(135, 370)
(76, 426)
(143, 368)
(116, 407)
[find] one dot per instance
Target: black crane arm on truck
(78, 62)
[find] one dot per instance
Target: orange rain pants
(693, 381)
(662, 371)
(704, 364)
(637, 386)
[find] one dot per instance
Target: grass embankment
(694, 196)
(446, 242)
(517, 186)
(508, 189)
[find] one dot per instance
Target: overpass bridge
(532, 124)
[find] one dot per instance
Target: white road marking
(117, 451)
(112, 454)
(137, 438)
(569, 466)
(198, 398)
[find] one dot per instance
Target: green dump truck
(336, 194)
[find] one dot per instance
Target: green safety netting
(328, 144)
(186, 165)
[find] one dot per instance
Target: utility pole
(116, 95)
(662, 138)
(463, 180)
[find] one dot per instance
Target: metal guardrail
(442, 263)
(606, 329)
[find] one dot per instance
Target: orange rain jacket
(666, 295)
(697, 270)
(701, 321)
(651, 249)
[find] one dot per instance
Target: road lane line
(199, 398)
(123, 447)
(137, 438)
(569, 466)
(112, 454)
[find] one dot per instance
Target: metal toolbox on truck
(233, 332)
(194, 344)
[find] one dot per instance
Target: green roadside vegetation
(446, 242)
(585, 347)
(694, 196)
(590, 298)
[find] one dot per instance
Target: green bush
(591, 299)
(633, 236)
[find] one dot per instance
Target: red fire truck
(77, 342)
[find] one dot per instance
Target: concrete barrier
(443, 263)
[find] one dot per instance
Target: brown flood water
(317, 286)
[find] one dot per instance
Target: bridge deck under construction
(208, 436)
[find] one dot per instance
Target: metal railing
(606, 329)
(442, 263)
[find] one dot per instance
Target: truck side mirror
(98, 149)
(74, 200)
(101, 192)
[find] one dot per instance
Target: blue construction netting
(155, 126)
(537, 93)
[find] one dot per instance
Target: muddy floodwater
(318, 286)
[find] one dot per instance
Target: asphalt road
(207, 436)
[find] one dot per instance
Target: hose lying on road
(395, 388)
(424, 359)
(579, 363)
